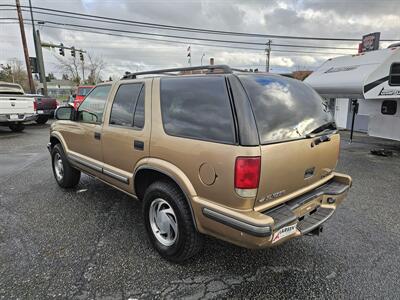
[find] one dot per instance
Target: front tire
(168, 222)
(18, 127)
(65, 175)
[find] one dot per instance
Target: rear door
(126, 133)
(299, 141)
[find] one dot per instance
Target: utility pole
(26, 53)
(39, 53)
(41, 63)
(267, 56)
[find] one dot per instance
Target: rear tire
(65, 175)
(17, 127)
(42, 119)
(169, 224)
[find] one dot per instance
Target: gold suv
(245, 157)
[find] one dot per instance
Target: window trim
(234, 120)
(143, 89)
(143, 86)
(104, 108)
(391, 74)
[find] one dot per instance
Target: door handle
(138, 145)
(320, 140)
(97, 135)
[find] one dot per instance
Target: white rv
(373, 78)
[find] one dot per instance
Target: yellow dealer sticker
(284, 232)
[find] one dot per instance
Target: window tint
(92, 108)
(138, 120)
(124, 104)
(285, 108)
(389, 107)
(394, 78)
(197, 107)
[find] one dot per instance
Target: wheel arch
(148, 173)
(56, 138)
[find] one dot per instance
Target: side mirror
(65, 113)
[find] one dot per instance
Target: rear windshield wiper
(323, 127)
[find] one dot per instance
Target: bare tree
(77, 69)
(71, 66)
(95, 66)
(14, 71)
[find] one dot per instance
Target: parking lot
(89, 242)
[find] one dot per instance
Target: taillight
(35, 105)
(247, 175)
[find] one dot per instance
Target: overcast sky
(322, 18)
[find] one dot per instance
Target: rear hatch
(299, 140)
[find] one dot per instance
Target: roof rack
(226, 70)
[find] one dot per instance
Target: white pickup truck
(15, 108)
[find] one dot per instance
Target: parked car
(45, 107)
(81, 93)
(245, 157)
(15, 107)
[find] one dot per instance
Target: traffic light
(73, 51)
(81, 56)
(61, 50)
(33, 63)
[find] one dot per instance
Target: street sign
(370, 42)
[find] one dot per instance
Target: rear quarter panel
(191, 156)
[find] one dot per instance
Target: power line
(193, 43)
(202, 30)
(180, 42)
(118, 22)
(186, 37)
(123, 23)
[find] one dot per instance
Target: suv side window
(123, 108)
(198, 108)
(92, 108)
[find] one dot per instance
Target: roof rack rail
(241, 70)
(226, 70)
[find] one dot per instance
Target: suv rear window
(198, 108)
(284, 108)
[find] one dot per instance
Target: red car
(81, 93)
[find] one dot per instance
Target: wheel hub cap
(58, 167)
(163, 222)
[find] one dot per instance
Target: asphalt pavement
(89, 242)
